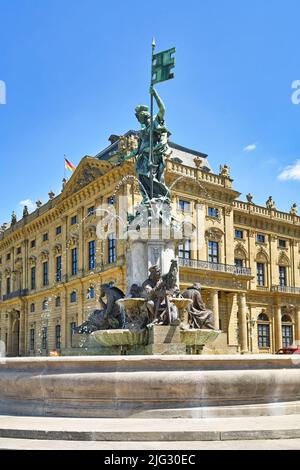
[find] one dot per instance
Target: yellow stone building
(246, 257)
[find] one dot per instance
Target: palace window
(92, 254)
(8, 285)
(184, 206)
(45, 273)
(260, 270)
(260, 238)
(57, 336)
(32, 244)
(45, 304)
(58, 230)
(91, 211)
(213, 212)
(112, 254)
(73, 296)
(282, 243)
(91, 293)
(184, 250)
(19, 250)
(32, 339)
(287, 331)
(74, 266)
(45, 237)
(282, 276)
(57, 301)
(74, 220)
(239, 234)
(44, 338)
(213, 252)
(32, 308)
(58, 266)
(72, 327)
(263, 331)
(33, 277)
(8, 257)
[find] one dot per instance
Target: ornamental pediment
(88, 170)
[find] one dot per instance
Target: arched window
(32, 307)
(261, 269)
(263, 330)
(287, 331)
(45, 304)
(57, 301)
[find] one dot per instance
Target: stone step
(150, 430)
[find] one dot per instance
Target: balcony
(286, 289)
(16, 293)
(207, 266)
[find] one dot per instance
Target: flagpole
(151, 125)
(64, 166)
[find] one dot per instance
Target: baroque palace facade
(246, 257)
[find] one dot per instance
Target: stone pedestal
(164, 340)
(142, 254)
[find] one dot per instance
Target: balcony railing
(16, 293)
(206, 265)
(286, 289)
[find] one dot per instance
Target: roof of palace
(180, 153)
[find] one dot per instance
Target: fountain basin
(198, 337)
(150, 386)
(120, 337)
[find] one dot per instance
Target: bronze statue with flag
(153, 137)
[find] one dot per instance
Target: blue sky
(75, 70)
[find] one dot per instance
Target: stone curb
(143, 436)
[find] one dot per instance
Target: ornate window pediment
(262, 256)
(73, 240)
(90, 231)
(214, 234)
(32, 260)
(57, 249)
(240, 252)
(283, 260)
(44, 255)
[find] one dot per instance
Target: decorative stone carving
(44, 255)
(228, 210)
(283, 260)
(214, 234)
(73, 240)
(225, 171)
(90, 231)
(57, 249)
(25, 211)
(198, 162)
(294, 209)
(262, 255)
(270, 204)
(32, 260)
(240, 251)
(85, 177)
(13, 219)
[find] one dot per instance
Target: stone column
(9, 336)
(22, 331)
(215, 308)
(278, 328)
(297, 325)
(64, 324)
(243, 323)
